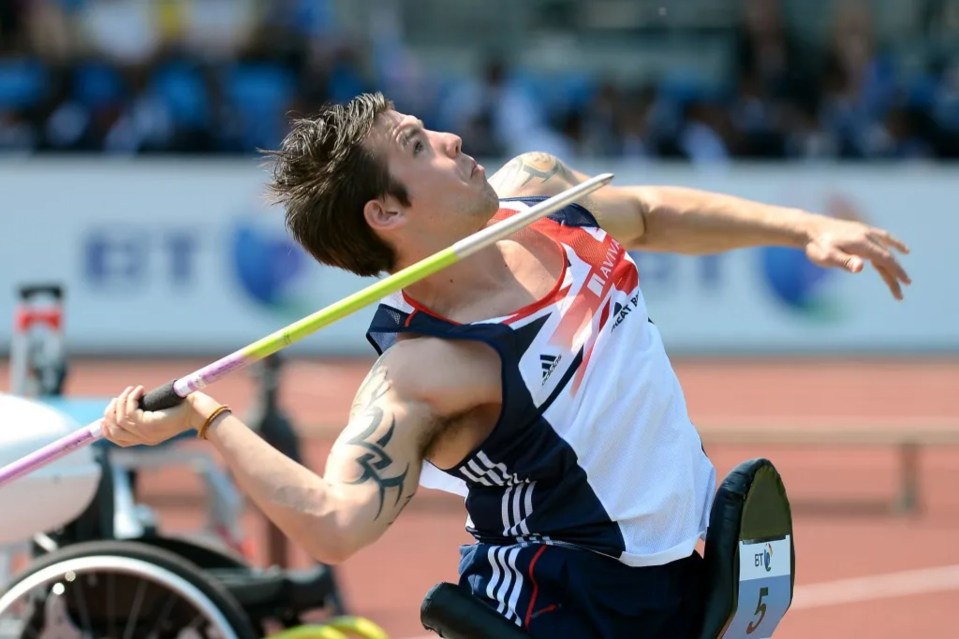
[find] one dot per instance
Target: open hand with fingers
(848, 245)
(126, 424)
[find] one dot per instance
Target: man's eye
(418, 147)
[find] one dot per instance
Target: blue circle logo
(794, 280)
(798, 284)
(269, 267)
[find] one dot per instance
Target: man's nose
(454, 144)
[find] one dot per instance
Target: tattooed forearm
(376, 461)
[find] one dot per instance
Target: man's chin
(492, 196)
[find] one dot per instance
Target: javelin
(172, 393)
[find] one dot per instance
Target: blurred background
(130, 175)
(696, 80)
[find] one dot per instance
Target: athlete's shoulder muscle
(618, 210)
(533, 174)
(451, 376)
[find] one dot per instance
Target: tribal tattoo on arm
(374, 386)
(375, 462)
(525, 168)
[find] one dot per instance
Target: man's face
(447, 189)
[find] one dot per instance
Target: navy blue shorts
(554, 591)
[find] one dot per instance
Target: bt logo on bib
(764, 559)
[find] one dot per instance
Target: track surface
(861, 572)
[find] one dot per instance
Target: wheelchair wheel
(118, 589)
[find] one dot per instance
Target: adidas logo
(548, 363)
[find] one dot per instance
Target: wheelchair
(102, 567)
(83, 581)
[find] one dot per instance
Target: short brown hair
(324, 174)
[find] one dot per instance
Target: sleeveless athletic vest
(593, 448)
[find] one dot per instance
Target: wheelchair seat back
(749, 556)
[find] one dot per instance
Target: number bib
(765, 588)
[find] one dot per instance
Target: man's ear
(383, 215)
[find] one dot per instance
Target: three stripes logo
(548, 364)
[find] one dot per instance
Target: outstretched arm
(690, 221)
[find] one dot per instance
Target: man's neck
(446, 291)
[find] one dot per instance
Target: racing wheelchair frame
(110, 569)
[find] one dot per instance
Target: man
(514, 377)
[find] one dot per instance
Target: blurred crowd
(222, 76)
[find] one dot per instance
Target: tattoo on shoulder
(376, 461)
(525, 168)
(373, 387)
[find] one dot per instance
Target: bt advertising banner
(174, 257)
(182, 256)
